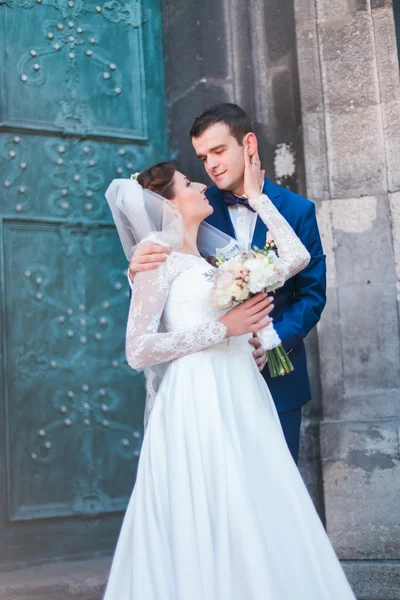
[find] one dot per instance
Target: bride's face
(190, 198)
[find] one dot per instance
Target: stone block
(391, 124)
(309, 67)
(348, 64)
(324, 217)
(341, 10)
(386, 52)
(182, 48)
(215, 39)
(395, 218)
(305, 11)
(362, 241)
(313, 410)
(238, 53)
(361, 474)
(315, 156)
(310, 464)
(181, 115)
(369, 329)
(376, 4)
(387, 58)
(283, 99)
(83, 580)
(278, 21)
(308, 59)
(330, 357)
(366, 404)
(356, 153)
(372, 580)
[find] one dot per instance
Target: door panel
(85, 65)
(81, 103)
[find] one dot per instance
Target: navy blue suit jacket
(300, 302)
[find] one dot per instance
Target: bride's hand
(249, 316)
(253, 174)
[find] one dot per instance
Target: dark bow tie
(231, 200)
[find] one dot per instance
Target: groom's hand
(259, 354)
(147, 257)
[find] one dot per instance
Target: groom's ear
(250, 140)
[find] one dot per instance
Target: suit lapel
(260, 230)
(220, 217)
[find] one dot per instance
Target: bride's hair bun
(159, 179)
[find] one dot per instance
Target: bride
(219, 510)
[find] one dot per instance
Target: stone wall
(321, 81)
(349, 80)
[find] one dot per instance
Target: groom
(218, 137)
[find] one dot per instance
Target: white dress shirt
(244, 223)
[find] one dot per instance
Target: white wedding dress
(219, 510)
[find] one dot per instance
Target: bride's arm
(291, 250)
(145, 345)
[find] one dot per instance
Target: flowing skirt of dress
(219, 510)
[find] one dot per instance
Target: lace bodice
(171, 314)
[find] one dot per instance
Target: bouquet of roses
(241, 278)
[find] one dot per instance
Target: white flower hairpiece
(135, 175)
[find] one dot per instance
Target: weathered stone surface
(340, 11)
(308, 57)
(218, 56)
(387, 58)
(182, 114)
(181, 27)
(276, 102)
(84, 580)
(395, 216)
(369, 336)
(324, 217)
(363, 241)
(348, 64)
(374, 580)
(316, 164)
(358, 59)
(391, 123)
(312, 104)
(361, 474)
(313, 410)
(309, 462)
(331, 363)
(356, 153)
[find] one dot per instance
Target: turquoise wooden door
(81, 103)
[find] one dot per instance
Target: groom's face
(222, 156)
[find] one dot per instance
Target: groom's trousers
(291, 422)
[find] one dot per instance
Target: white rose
(239, 293)
(257, 275)
(221, 299)
(224, 279)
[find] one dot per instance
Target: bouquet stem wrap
(278, 361)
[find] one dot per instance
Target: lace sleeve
(291, 249)
(145, 344)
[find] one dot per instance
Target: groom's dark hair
(231, 114)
